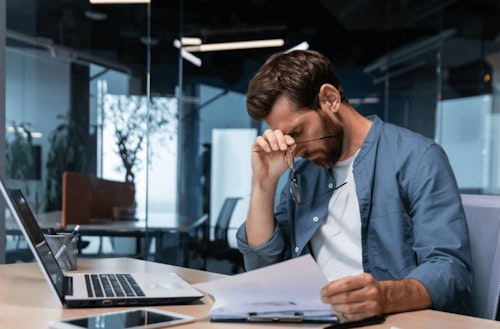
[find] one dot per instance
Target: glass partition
(445, 86)
(71, 106)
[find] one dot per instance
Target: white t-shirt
(337, 242)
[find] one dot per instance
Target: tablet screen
(141, 318)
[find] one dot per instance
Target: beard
(331, 148)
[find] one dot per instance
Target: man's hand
(361, 296)
(268, 155)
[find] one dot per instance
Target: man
(375, 204)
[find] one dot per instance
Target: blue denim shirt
(412, 220)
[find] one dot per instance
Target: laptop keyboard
(112, 285)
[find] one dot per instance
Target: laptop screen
(21, 211)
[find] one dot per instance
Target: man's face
(306, 126)
(329, 149)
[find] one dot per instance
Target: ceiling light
(118, 1)
(190, 41)
(187, 55)
(236, 45)
(301, 46)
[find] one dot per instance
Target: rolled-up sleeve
(264, 255)
(441, 240)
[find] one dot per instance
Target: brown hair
(298, 75)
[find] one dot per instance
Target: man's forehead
(281, 113)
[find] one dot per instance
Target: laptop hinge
(68, 285)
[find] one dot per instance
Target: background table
(160, 226)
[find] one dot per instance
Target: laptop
(94, 289)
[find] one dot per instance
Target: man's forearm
(260, 220)
(404, 295)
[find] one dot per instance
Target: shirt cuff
(266, 254)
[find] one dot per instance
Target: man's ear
(329, 98)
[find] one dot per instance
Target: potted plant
(67, 153)
(18, 152)
(132, 122)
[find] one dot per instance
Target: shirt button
(315, 219)
(296, 249)
(330, 185)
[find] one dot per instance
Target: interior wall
(222, 110)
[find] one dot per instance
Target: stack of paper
(286, 291)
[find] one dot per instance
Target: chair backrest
(222, 225)
(87, 197)
(483, 220)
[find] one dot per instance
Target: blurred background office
(137, 93)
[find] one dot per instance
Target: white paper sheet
(290, 286)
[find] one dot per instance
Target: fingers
(357, 311)
(276, 139)
(342, 317)
(269, 156)
(347, 284)
(273, 141)
(354, 298)
(346, 316)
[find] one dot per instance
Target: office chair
(219, 248)
(483, 220)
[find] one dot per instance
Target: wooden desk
(26, 301)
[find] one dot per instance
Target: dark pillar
(189, 164)
(80, 105)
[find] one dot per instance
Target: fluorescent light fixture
(187, 55)
(190, 41)
(301, 46)
(103, 2)
(235, 45)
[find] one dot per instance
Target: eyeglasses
(290, 161)
(294, 187)
(316, 139)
